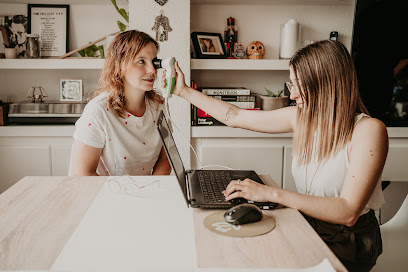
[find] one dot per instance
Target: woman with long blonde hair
(116, 134)
(338, 156)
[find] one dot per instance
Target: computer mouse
(243, 214)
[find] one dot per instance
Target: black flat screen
(380, 53)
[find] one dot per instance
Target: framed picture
(3, 39)
(51, 22)
(208, 45)
(70, 90)
(17, 32)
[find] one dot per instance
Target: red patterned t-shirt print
(126, 123)
(89, 124)
(125, 158)
(128, 115)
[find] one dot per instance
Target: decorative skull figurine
(255, 50)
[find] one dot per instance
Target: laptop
(203, 188)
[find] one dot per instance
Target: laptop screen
(172, 152)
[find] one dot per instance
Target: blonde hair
(122, 51)
(328, 85)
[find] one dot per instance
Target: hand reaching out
(180, 84)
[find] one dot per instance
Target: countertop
(81, 225)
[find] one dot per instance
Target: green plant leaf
(269, 92)
(90, 50)
(82, 53)
(121, 26)
(280, 92)
(101, 52)
(114, 3)
(121, 11)
(124, 14)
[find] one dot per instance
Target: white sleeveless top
(328, 178)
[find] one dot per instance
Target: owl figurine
(255, 50)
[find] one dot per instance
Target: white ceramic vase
(10, 53)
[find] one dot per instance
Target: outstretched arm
(277, 121)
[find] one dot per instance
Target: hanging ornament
(161, 2)
(161, 26)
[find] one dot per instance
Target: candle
(289, 43)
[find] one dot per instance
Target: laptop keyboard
(212, 184)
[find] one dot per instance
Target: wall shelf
(230, 132)
(272, 2)
(44, 64)
(239, 64)
(65, 2)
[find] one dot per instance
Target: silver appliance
(39, 111)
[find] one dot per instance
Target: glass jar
(33, 46)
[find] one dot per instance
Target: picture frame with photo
(51, 23)
(208, 45)
(71, 90)
(17, 32)
(3, 40)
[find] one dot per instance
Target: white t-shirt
(327, 178)
(130, 145)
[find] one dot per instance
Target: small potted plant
(10, 50)
(273, 101)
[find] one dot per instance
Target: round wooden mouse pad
(215, 222)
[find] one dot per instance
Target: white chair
(395, 242)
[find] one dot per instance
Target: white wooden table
(74, 224)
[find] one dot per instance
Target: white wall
(143, 14)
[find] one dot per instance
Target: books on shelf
(238, 96)
(204, 119)
(208, 121)
(225, 91)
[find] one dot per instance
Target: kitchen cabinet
(34, 151)
(395, 168)
(18, 161)
(261, 155)
(288, 182)
(60, 159)
(242, 149)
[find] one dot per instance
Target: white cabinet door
(245, 154)
(396, 166)
(60, 155)
(17, 162)
(288, 180)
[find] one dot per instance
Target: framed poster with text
(51, 22)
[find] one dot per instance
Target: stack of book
(238, 96)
